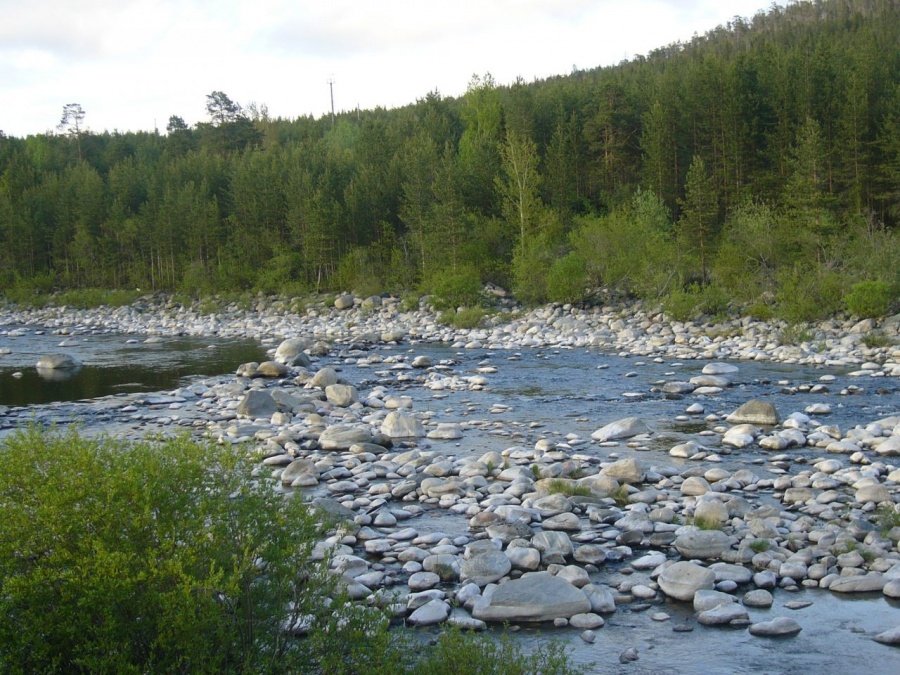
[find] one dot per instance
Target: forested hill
(758, 164)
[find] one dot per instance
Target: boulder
(780, 626)
(342, 436)
(536, 596)
(485, 568)
(723, 614)
(624, 470)
(702, 544)
(324, 378)
(58, 362)
(291, 353)
(624, 428)
(682, 580)
(271, 369)
(343, 302)
(754, 411)
(341, 395)
(868, 583)
(257, 403)
(399, 425)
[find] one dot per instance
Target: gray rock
(869, 583)
(683, 579)
(705, 599)
(343, 302)
(485, 568)
(702, 544)
(780, 626)
(601, 598)
(754, 412)
(446, 431)
(341, 395)
(299, 468)
(400, 425)
(624, 428)
(324, 377)
(58, 362)
(889, 637)
(537, 596)
(759, 598)
(555, 547)
(290, 352)
(430, 614)
(257, 403)
(723, 614)
(342, 436)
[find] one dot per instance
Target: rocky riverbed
(733, 520)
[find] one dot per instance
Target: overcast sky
(133, 63)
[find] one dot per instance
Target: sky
(131, 64)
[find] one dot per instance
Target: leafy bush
(567, 279)
(460, 287)
(682, 304)
(152, 558)
(808, 294)
(870, 298)
(464, 318)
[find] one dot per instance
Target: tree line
(756, 164)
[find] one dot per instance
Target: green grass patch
(569, 488)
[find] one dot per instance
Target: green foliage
(808, 293)
(683, 304)
(89, 298)
(760, 545)
(793, 334)
(466, 319)
(530, 263)
(157, 556)
(876, 339)
(870, 298)
(567, 279)
(568, 488)
(706, 523)
(887, 517)
(452, 288)
(456, 653)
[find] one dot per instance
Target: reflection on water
(112, 364)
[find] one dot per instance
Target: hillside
(757, 165)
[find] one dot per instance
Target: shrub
(870, 298)
(465, 319)
(681, 304)
(567, 279)
(152, 558)
(452, 288)
(808, 294)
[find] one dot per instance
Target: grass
(876, 339)
(620, 496)
(794, 335)
(760, 545)
(887, 517)
(564, 487)
(706, 523)
(465, 318)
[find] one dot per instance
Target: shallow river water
(535, 394)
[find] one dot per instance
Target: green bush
(152, 558)
(808, 294)
(567, 279)
(682, 304)
(452, 288)
(870, 298)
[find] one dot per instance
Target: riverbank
(630, 327)
(693, 518)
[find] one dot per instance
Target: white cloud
(133, 63)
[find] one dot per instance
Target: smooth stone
(723, 614)
(623, 428)
(889, 637)
(780, 626)
(754, 411)
(536, 596)
(400, 425)
(702, 544)
(683, 579)
(434, 612)
(868, 583)
(485, 568)
(760, 598)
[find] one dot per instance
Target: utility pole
(331, 89)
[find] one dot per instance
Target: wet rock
(291, 352)
(400, 425)
(869, 583)
(58, 362)
(485, 568)
(536, 596)
(682, 580)
(702, 544)
(778, 627)
(342, 436)
(723, 614)
(754, 412)
(434, 612)
(271, 369)
(257, 404)
(624, 428)
(889, 637)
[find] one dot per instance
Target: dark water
(112, 364)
